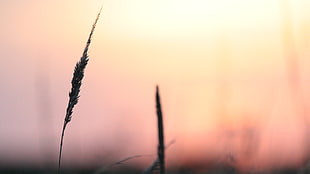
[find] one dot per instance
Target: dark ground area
(128, 170)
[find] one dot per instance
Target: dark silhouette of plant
(161, 148)
(76, 82)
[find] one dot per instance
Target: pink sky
(221, 68)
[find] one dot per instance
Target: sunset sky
(233, 78)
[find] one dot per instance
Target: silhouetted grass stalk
(105, 169)
(155, 164)
(160, 148)
(76, 85)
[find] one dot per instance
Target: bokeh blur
(233, 77)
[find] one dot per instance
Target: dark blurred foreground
(130, 170)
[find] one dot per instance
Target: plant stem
(161, 148)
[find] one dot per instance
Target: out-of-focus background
(233, 76)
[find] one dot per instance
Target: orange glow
(222, 67)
